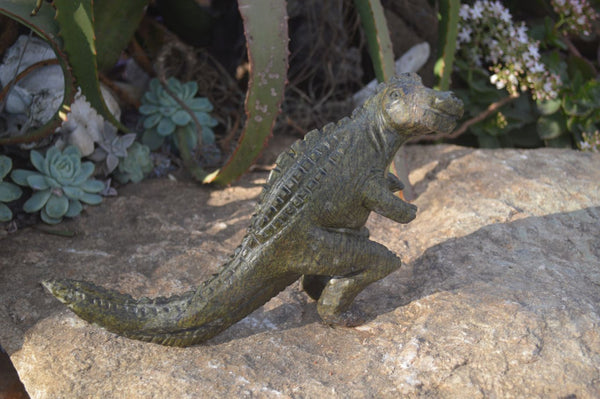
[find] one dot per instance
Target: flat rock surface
(499, 295)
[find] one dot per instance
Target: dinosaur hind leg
(341, 269)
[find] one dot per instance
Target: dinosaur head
(413, 109)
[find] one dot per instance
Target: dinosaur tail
(159, 320)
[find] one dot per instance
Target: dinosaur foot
(350, 318)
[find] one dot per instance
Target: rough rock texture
(499, 296)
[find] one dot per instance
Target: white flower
(477, 10)
(464, 36)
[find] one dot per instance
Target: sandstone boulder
(499, 295)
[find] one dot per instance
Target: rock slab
(499, 296)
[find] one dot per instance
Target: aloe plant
(74, 28)
(62, 182)
(8, 191)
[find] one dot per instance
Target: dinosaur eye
(395, 94)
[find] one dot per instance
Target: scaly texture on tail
(155, 320)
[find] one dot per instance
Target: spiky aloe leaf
(447, 42)
(115, 22)
(267, 40)
(42, 24)
(373, 22)
(76, 21)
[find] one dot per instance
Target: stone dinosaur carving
(309, 223)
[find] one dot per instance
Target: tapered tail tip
(59, 288)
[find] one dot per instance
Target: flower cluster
(576, 16)
(590, 142)
(493, 40)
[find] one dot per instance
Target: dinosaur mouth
(441, 116)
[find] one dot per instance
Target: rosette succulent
(60, 185)
(8, 191)
(136, 165)
(164, 116)
(112, 147)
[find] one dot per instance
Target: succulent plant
(136, 165)
(111, 148)
(164, 115)
(60, 185)
(8, 191)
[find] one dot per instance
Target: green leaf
(5, 166)
(199, 104)
(75, 208)
(380, 47)
(37, 182)
(37, 201)
(548, 107)
(181, 118)
(37, 160)
(148, 109)
(115, 22)
(73, 193)
(57, 206)
(551, 126)
(165, 127)
(152, 139)
(75, 18)
(92, 186)
(9, 192)
(48, 219)
(448, 35)
(20, 176)
(5, 213)
(92, 199)
(86, 170)
(267, 41)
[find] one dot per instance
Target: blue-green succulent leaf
(152, 139)
(37, 201)
(52, 182)
(20, 176)
(57, 206)
(73, 193)
(9, 192)
(48, 219)
(152, 120)
(165, 127)
(181, 118)
(5, 213)
(200, 104)
(5, 166)
(75, 208)
(52, 153)
(189, 90)
(148, 109)
(150, 98)
(92, 186)
(175, 85)
(92, 199)
(155, 86)
(37, 182)
(205, 119)
(208, 136)
(38, 161)
(72, 150)
(85, 171)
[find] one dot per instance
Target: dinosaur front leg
(379, 199)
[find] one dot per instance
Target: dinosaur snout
(447, 103)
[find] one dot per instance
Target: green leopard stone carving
(309, 223)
